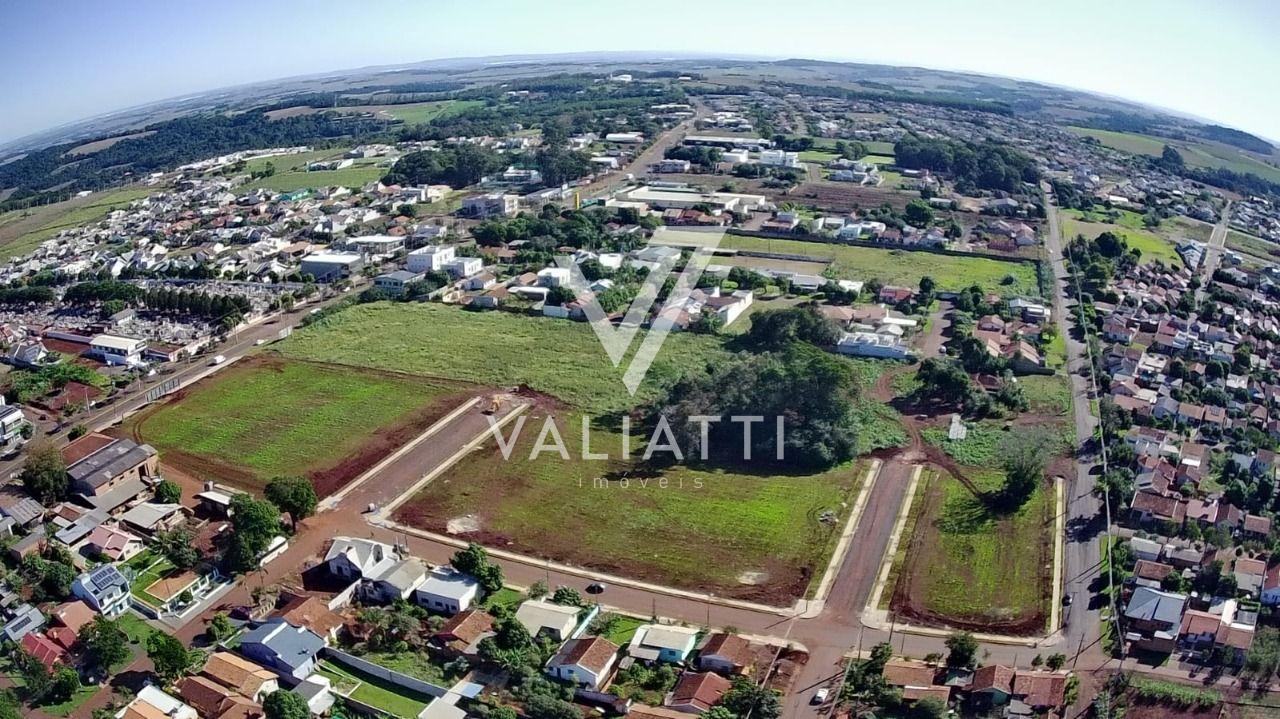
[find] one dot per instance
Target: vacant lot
(902, 267)
(1253, 246)
(970, 567)
(744, 533)
(558, 357)
(805, 267)
(354, 177)
(266, 417)
(1128, 225)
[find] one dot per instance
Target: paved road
(1213, 252)
(639, 166)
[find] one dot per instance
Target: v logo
(617, 341)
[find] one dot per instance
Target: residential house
(44, 649)
(152, 702)
(235, 672)
(393, 284)
(106, 473)
(150, 517)
(540, 616)
(1153, 617)
(394, 581)
(113, 543)
(662, 643)
(695, 693)
(353, 558)
(104, 588)
(1249, 574)
(448, 591)
(916, 680)
(283, 648)
(1270, 591)
(585, 662)
(312, 612)
(461, 635)
(726, 654)
(208, 697)
(25, 619)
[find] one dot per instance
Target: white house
(431, 258)
(448, 591)
(872, 344)
(585, 662)
(396, 581)
(116, 350)
(464, 266)
(154, 702)
(104, 588)
(540, 616)
(354, 558)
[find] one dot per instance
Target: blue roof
(292, 646)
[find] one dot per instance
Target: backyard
(393, 700)
(746, 533)
(267, 416)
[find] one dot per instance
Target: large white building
(872, 344)
(116, 350)
(431, 258)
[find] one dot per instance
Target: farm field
(1195, 154)
(355, 176)
(1253, 246)
(558, 357)
(323, 421)
(21, 231)
(968, 567)
(1129, 225)
(744, 533)
(1188, 228)
(901, 267)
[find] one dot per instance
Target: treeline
(456, 166)
(1245, 183)
(26, 295)
(949, 101)
(986, 166)
(166, 299)
(172, 143)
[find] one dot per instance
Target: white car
(820, 696)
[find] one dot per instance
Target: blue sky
(63, 60)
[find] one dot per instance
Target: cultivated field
(1153, 246)
(557, 357)
(746, 533)
(265, 417)
(964, 565)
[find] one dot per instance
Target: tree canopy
(294, 495)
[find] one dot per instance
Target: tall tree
(254, 523)
(168, 492)
(294, 495)
(284, 704)
(105, 643)
(45, 473)
(168, 655)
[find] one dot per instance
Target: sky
(65, 60)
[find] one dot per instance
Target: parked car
(820, 696)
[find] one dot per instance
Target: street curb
(846, 540)
(332, 500)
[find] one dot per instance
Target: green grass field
(1195, 154)
(265, 417)
(52, 219)
(355, 176)
(902, 267)
(287, 163)
(1128, 225)
(971, 565)
(561, 358)
(819, 156)
(419, 112)
(879, 159)
(690, 527)
(1253, 246)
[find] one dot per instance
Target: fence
(403, 681)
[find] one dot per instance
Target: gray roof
(36, 536)
(148, 514)
(100, 580)
(113, 498)
(292, 646)
(403, 575)
(109, 462)
(25, 620)
(401, 276)
(449, 583)
(24, 511)
(81, 528)
(1156, 606)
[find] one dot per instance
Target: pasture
(1194, 154)
(1128, 225)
